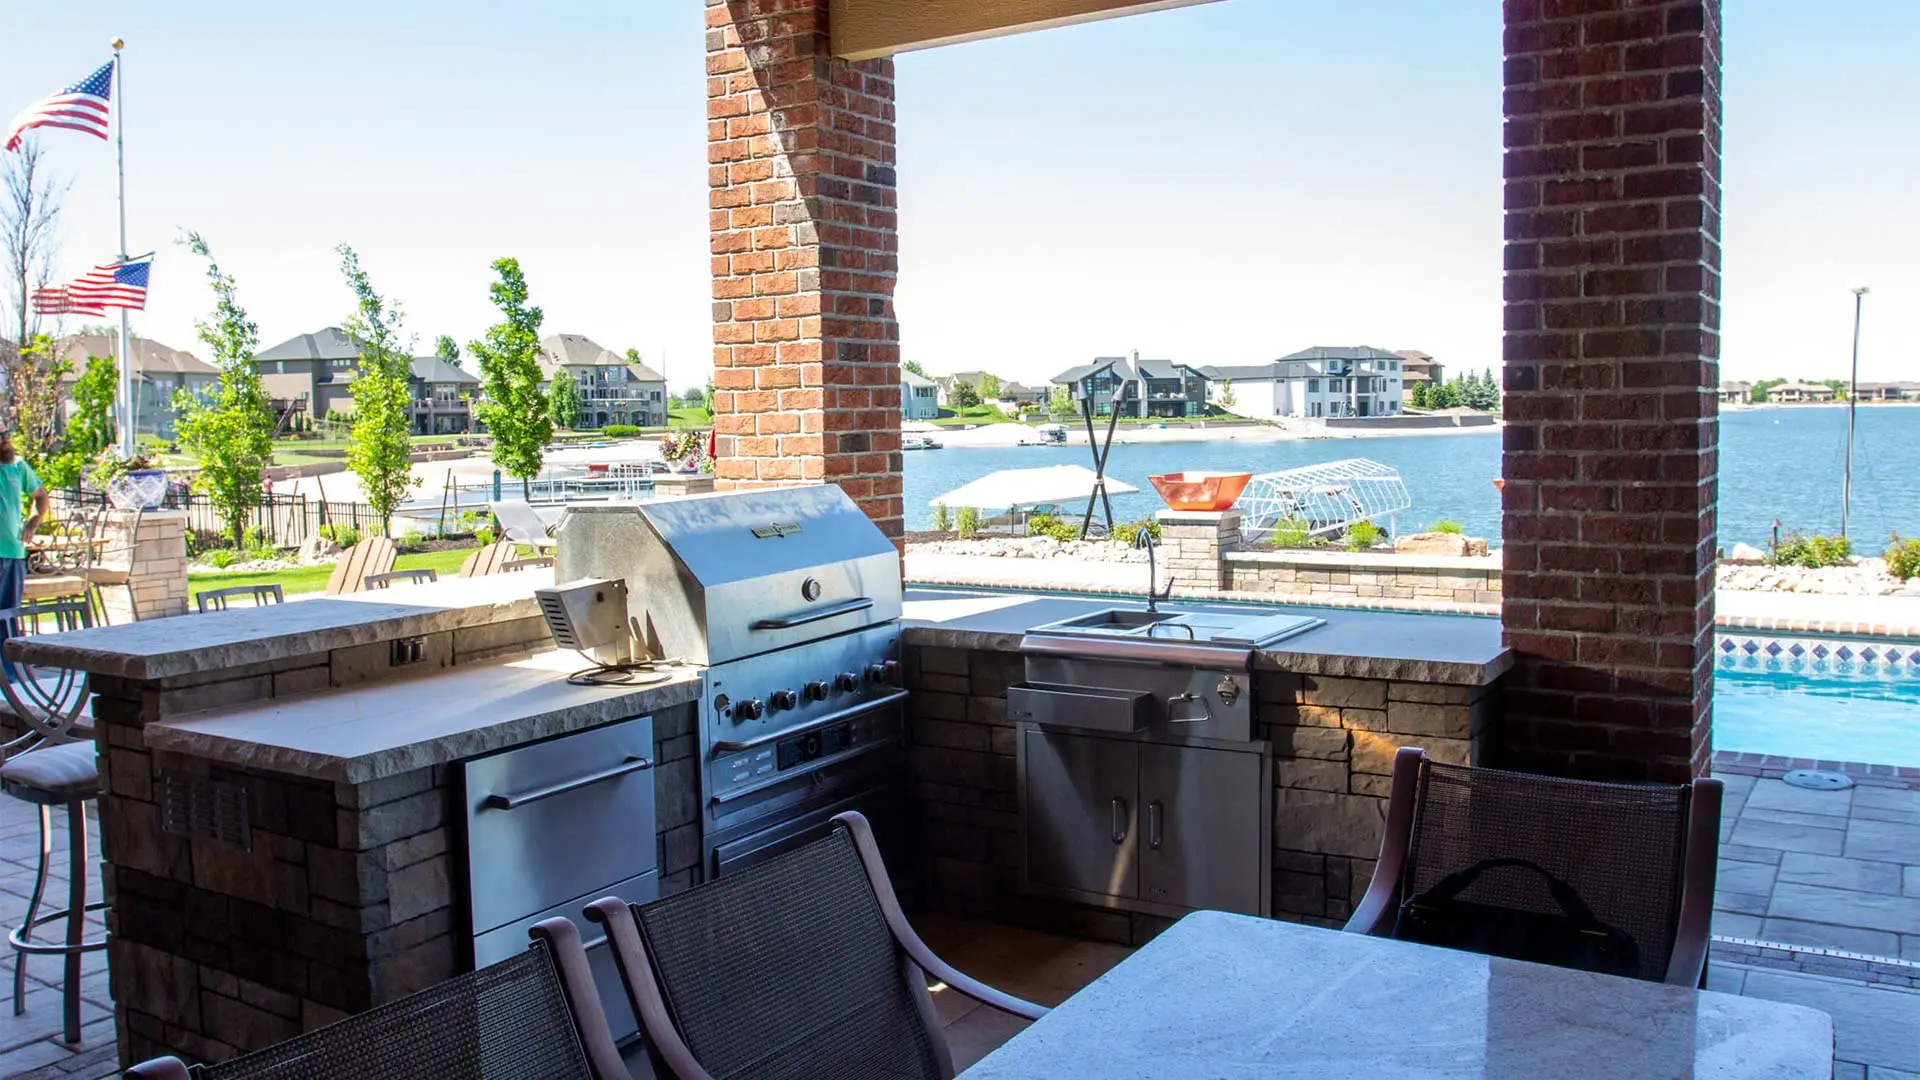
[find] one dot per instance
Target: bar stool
(61, 775)
(53, 764)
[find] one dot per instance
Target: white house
(1324, 381)
(919, 397)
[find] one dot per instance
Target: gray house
(159, 372)
(612, 389)
(1146, 388)
(313, 373)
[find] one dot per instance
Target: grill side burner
(791, 598)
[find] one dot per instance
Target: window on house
(1313, 386)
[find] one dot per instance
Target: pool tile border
(1856, 655)
(1774, 766)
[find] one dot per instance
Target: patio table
(1224, 997)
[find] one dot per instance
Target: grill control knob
(749, 709)
(814, 691)
(810, 589)
(882, 672)
(783, 699)
(846, 682)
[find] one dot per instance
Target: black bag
(1574, 938)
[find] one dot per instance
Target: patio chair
(417, 576)
(109, 560)
(487, 561)
(514, 566)
(1639, 857)
(220, 599)
(534, 1017)
(801, 966)
(522, 524)
(373, 555)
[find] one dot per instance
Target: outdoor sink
(1111, 621)
(1225, 628)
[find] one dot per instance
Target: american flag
(58, 301)
(84, 106)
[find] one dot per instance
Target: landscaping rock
(1861, 577)
(1035, 547)
(1745, 553)
(317, 549)
(1433, 543)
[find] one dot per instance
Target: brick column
(1612, 350)
(1194, 544)
(800, 152)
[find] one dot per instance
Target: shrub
(942, 520)
(222, 558)
(1291, 532)
(1903, 557)
(1447, 525)
(484, 535)
(1812, 552)
(344, 535)
(1362, 535)
(968, 524)
(1128, 532)
(620, 431)
(1049, 525)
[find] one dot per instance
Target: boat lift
(1326, 498)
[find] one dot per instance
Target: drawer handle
(813, 615)
(1206, 711)
(1153, 824)
(522, 798)
(1119, 820)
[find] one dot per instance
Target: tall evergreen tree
(380, 443)
(232, 428)
(515, 410)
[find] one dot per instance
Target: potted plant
(130, 483)
(686, 451)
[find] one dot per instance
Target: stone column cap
(1197, 517)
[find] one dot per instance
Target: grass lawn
(682, 415)
(977, 414)
(312, 579)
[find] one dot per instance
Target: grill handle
(813, 615)
(520, 799)
(730, 746)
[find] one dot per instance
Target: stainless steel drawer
(557, 820)
(502, 942)
(1091, 708)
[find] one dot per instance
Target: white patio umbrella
(1020, 489)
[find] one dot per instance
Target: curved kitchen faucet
(1144, 539)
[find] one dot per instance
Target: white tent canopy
(1019, 489)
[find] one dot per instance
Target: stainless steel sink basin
(1112, 621)
(1246, 629)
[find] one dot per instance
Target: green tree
(1227, 398)
(90, 428)
(963, 396)
(1758, 395)
(693, 396)
(563, 400)
(515, 410)
(1060, 402)
(989, 387)
(1444, 395)
(380, 444)
(447, 349)
(1421, 393)
(914, 366)
(231, 429)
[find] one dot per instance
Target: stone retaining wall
(1386, 577)
(1333, 743)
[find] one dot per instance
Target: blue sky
(1220, 184)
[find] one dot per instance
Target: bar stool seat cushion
(60, 773)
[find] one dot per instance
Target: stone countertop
(384, 729)
(1230, 997)
(1458, 649)
(219, 640)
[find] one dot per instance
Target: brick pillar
(1612, 357)
(800, 152)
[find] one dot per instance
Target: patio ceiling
(864, 29)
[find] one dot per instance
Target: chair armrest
(910, 941)
(163, 1068)
(1377, 909)
(1693, 935)
(562, 939)
(643, 990)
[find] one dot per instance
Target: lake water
(1780, 464)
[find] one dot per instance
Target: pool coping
(1774, 766)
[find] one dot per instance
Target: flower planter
(141, 489)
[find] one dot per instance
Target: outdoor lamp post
(1853, 403)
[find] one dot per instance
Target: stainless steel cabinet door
(1082, 810)
(1200, 812)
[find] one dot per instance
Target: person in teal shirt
(18, 483)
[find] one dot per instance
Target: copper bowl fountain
(1200, 490)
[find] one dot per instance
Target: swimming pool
(1824, 707)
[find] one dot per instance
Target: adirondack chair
(374, 555)
(488, 560)
(522, 524)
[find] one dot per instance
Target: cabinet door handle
(1153, 823)
(1119, 820)
(521, 798)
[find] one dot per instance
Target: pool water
(1832, 715)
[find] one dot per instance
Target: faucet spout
(1144, 539)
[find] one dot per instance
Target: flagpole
(120, 152)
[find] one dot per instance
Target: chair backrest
(219, 599)
(487, 561)
(511, 1019)
(788, 968)
(373, 555)
(520, 522)
(514, 566)
(417, 576)
(115, 536)
(47, 700)
(1622, 847)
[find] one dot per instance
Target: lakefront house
(1143, 387)
(159, 372)
(1320, 382)
(613, 389)
(919, 397)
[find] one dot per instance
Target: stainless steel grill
(791, 599)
